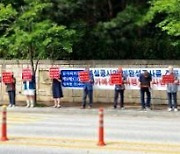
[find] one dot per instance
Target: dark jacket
(145, 80)
(11, 86)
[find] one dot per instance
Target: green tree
(168, 13)
(31, 35)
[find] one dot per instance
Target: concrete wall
(105, 96)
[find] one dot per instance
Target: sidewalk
(130, 111)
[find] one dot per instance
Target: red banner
(54, 73)
(168, 79)
(83, 76)
(27, 74)
(116, 79)
(7, 77)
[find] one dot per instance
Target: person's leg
(13, 97)
(90, 95)
(10, 101)
(115, 98)
(121, 98)
(174, 96)
(84, 98)
(58, 102)
(142, 98)
(27, 101)
(32, 100)
(148, 99)
(169, 100)
(55, 102)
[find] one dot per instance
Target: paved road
(71, 130)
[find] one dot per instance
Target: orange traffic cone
(101, 128)
(4, 127)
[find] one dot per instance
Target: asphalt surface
(69, 130)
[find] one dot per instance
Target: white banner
(102, 77)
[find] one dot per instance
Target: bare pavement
(71, 130)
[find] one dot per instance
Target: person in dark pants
(11, 90)
(88, 91)
(57, 92)
(145, 85)
(172, 89)
(119, 90)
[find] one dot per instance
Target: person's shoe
(89, 107)
(59, 106)
(32, 106)
(13, 106)
(148, 109)
(115, 107)
(122, 108)
(169, 109)
(175, 110)
(55, 106)
(9, 105)
(82, 107)
(28, 105)
(143, 109)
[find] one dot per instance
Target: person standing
(11, 90)
(29, 92)
(145, 86)
(119, 90)
(57, 91)
(88, 90)
(172, 89)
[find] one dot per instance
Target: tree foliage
(169, 11)
(90, 29)
(32, 35)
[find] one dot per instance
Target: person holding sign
(119, 89)
(86, 77)
(10, 83)
(145, 86)
(172, 88)
(29, 90)
(56, 86)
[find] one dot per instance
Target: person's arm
(91, 80)
(150, 81)
(124, 79)
(139, 81)
(14, 80)
(176, 81)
